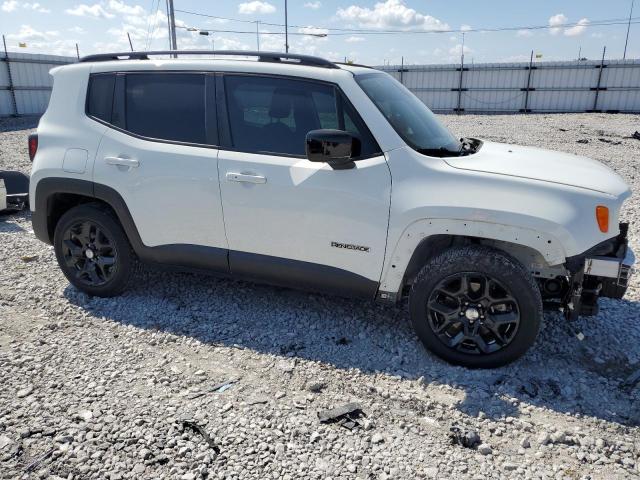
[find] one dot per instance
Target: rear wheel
(93, 251)
(476, 306)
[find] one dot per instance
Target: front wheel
(476, 306)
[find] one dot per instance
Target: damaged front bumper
(603, 271)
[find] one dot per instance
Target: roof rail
(273, 57)
(355, 65)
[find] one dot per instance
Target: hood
(543, 165)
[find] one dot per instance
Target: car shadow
(559, 373)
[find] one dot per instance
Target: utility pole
(286, 28)
(78, 51)
(624, 55)
(173, 45)
(258, 34)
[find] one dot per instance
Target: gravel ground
(100, 388)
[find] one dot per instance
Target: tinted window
(167, 106)
(274, 115)
(100, 96)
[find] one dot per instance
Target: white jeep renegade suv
(300, 172)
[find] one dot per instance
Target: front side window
(274, 115)
(409, 117)
(166, 106)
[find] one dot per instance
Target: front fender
(547, 245)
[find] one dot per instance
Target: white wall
(31, 81)
(501, 87)
(487, 88)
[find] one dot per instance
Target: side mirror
(335, 147)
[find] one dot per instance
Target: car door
(290, 221)
(160, 156)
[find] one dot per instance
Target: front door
(288, 220)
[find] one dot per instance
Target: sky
(362, 31)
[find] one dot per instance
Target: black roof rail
(273, 57)
(355, 65)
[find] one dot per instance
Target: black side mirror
(335, 147)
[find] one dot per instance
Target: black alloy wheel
(473, 313)
(476, 306)
(90, 253)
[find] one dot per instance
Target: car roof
(225, 60)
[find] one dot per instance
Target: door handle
(124, 162)
(245, 178)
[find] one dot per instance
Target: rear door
(160, 156)
(288, 220)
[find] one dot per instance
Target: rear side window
(274, 115)
(167, 106)
(100, 96)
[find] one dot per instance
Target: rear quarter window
(100, 96)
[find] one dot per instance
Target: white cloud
(577, 29)
(313, 30)
(13, 5)
(77, 30)
(390, 14)
(456, 51)
(313, 5)
(354, 39)
(122, 8)
(96, 11)
(556, 22)
(257, 6)
(29, 34)
(524, 33)
(36, 7)
(465, 28)
(9, 5)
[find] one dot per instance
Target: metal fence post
(598, 88)
(11, 88)
(459, 109)
(402, 70)
(528, 88)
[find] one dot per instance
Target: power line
(252, 32)
(411, 32)
(350, 31)
(155, 25)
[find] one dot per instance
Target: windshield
(409, 117)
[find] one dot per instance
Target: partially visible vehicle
(14, 191)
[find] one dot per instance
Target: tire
(93, 251)
(491, 323)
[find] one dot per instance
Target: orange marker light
(602, 215)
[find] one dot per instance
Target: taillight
(33, 145)
(602, 216)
